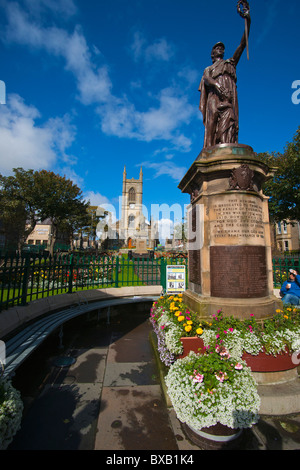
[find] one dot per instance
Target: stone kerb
(16, 317)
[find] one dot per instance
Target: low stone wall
(16, 317)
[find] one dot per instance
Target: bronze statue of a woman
(219, 102)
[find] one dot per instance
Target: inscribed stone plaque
(237, 219)
(238, 272)
(194, 267)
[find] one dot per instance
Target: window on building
(131, 220)
(131, 195)
(279, 228)
(284, 227)
(286, 246)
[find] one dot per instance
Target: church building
(133, 225)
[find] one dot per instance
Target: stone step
(280, 399)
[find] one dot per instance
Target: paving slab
(134, 418)
(132, 346)
(89, 366)
(280, 399)
(63, 417)
(130, 374)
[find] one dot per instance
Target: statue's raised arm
(244, 11)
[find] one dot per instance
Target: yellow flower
(289, 309)
(278, 311)
(285, 316)
(177, 314)
(199, 331)
(179, 295)
(181, 318)
(189, 322)
(188, 328)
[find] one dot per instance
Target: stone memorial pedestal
(230, 261)
(140, 251)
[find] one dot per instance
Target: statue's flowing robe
(224, 73)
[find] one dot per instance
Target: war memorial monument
(230, 261)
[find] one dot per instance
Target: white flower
(233, 404)
(11, 409)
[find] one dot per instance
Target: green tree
(42, 195)
(17, 206)
(284, 188)
(59, 199)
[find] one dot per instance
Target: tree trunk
(53, 238)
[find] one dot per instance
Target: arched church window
(131, 220)
(131, 195)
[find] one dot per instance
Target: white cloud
(165, 229)
(66, 8)
(137, 47)
(93, 82)
(63, 135)
(159, 50)
(96, 199)
(271, 12)
(119, 117)
(166, 168)
(26, 143)
(190, 75)
(71, 174)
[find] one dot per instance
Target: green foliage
(215, 366)
(284, 188)
(30, 196)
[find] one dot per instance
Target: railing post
(163, 274)
(117, 272)
(25, 280)
(70, 289)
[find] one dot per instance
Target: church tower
(133, 221)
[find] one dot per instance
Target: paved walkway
(110, 399)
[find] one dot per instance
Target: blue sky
(94, 85)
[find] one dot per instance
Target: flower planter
(216, 437)
(268, 363)
(262, 362)
(193, 343)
